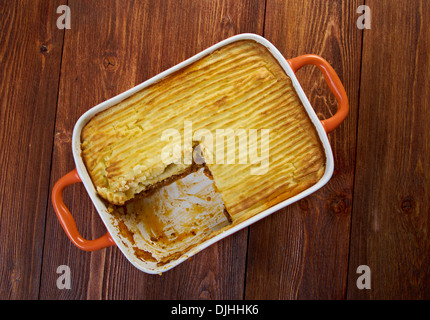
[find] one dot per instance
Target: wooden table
(374, 211)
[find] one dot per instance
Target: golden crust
(239, 86)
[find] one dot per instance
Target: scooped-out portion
(170, 221)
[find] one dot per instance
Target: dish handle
(68, 222)
(333, 82)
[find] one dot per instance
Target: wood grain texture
(301, 252)
(391, 215)
(298, 253)
(111, 47)
(30, 56)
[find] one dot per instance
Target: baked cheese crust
(239, 87)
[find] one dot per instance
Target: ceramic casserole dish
(128, 232)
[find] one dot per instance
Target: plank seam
(52, 154)
(355, 163)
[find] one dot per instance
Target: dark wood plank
(301, 252)
(391, 215)
(30, 56)
(111, 47)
